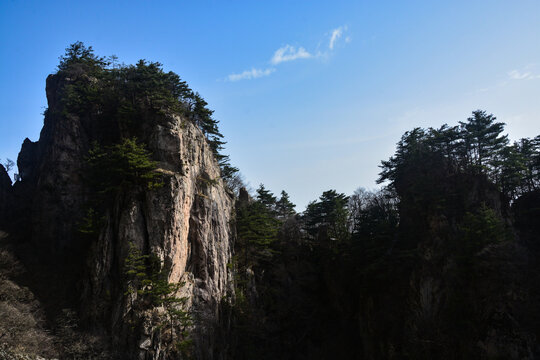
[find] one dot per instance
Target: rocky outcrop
(185, 222)
(5, 194)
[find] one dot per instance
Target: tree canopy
(476, 146)
(327, 217)
(132, 94)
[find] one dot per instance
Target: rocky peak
(184, 222)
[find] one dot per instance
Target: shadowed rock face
(5, 186)
(185, 222)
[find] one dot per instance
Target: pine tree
(121, 166)
(202, 117)
(148, 279)
(266, 198)
(257, 230)
(530, 152)
(327, 219)
(411, 147)
(511, 169)
(447, 141)
(284, 207)
(483, 139)
(78, 54)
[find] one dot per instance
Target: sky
(310, 95)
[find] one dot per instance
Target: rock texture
(185, 222)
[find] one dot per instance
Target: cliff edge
(80, 226)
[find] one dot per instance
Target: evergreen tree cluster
(476, 146)
(132, 94)
(327, 217)
(341, 278)
(122, 166)
(258, 223)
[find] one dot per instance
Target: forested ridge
(419, 269)
(441, 262)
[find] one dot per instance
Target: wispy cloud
(336, 34)
(526, 73)
(518, 75)
(250, 74)
(289, 53)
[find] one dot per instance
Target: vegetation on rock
(121, 98)
(441, 263)
(149, 288)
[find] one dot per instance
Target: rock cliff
(184, 223)
(122, 241)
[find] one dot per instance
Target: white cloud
(526, 73)
(289, 53)
(518, 75)
(250, 74)
(336, 34)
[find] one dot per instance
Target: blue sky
(311, 95)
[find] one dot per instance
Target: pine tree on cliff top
(127, 92)
(483, 139)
